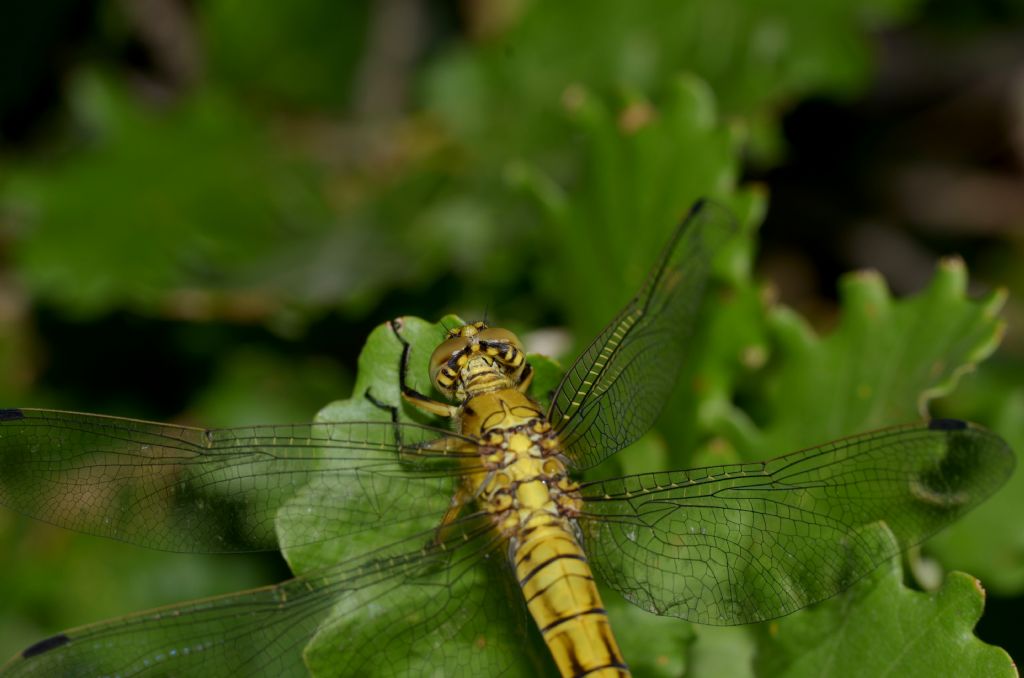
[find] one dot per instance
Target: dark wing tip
(947, 424)
(46, 645)
(11, 414)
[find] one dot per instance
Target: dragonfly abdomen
(534, 504)
(563, 599)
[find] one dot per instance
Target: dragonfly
(425, 549)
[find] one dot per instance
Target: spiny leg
(413, 452)
(412, 396)
(380, 404)
(417, 399)
(393, 413)
(459, 499)
(525, 379)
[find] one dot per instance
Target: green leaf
(882, 364)
(547, 374)
(989, 541)
(378, 375)
(652, 645)
(632, 186)
(723, 651)
(223, 222)
(880, 627)
(730, 344)
(497, 95)
(184, 200)
(238, 392)
(300, 54)
(99, 578)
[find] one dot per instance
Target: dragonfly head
(475, 358)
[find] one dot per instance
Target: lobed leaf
(881, 628)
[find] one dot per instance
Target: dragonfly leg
(526, 379)
(409, 394)
(464, 494)
(439, 445)
(393, 412)
(390, 409)
(459, 499)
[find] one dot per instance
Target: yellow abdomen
(534, 502)
(563, 599)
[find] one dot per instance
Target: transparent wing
(743, 543)
(186, 489)
(614, 391)
(415, 607)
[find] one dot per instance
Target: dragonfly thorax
(476, 359)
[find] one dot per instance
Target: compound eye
(500, 335)
(443, 353)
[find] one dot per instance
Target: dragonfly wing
(185, 489)
(415, 607)
(747, 542)
(614, 391)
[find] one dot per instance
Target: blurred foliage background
(206, 206)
